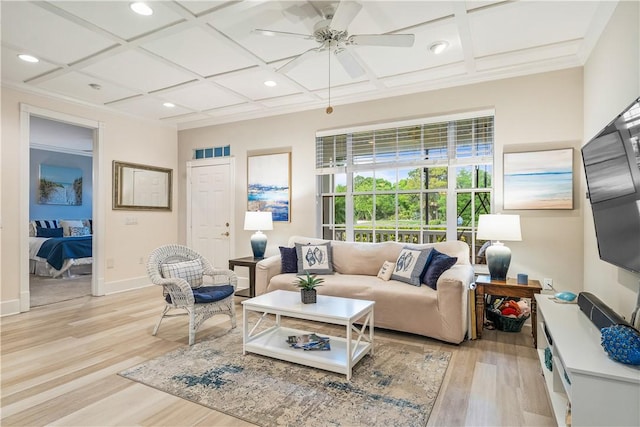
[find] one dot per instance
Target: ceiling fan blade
(273, 33)
(297, 60)
(392, 40)
(349, 63)
(346, 11)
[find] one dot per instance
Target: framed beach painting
(269, 185)
(59, 185)
(539, 179)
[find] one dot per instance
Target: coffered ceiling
(206, 59)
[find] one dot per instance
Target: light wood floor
(60, 364)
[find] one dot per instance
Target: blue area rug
(396, 387)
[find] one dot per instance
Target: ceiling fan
(332, 35)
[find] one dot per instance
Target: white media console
(599, 391)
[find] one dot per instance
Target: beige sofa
(440, 314)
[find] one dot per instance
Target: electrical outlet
(110, 263)
(547, 284)
(141, 260)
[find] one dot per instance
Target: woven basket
(505, 323)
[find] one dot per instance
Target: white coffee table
(272, 342)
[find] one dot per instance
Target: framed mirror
(141, 187)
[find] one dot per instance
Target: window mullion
(452, 194)
(348, 208)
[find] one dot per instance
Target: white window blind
(429, 143)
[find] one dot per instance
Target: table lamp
(498, 227)
(258, 221)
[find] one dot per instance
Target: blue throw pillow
(289, 259)
(207, 294)
(49, 232)
(439, 264)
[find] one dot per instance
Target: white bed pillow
(67, 224)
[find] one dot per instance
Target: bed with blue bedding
(55, 255)
(57, 249)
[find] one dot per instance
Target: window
(414, 182)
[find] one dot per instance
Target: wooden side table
(508, 288)
(249, 262)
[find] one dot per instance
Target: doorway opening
(60, 209)
(59, 193)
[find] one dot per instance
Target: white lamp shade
(258, 221)
(499, 227)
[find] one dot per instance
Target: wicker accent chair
(179, 293)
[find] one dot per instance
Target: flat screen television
(612, 168)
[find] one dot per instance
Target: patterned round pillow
(622, 343)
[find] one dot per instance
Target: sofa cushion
(398, 306)
(438, 264)
(289, 260)
(314, 258)
(191, 271)
(410, 265)
(362, 258)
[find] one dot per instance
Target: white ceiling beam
(464, 31)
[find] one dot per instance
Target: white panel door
(209, 212)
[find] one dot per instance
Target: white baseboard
(8, 308)
(126, 285)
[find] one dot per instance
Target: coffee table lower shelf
(273, 343)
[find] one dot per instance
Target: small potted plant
(308, 285)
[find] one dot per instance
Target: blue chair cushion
(207, 294)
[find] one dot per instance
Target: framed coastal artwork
(59, 185)
(269, 185)
(538, 179)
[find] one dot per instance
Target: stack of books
(309, 342)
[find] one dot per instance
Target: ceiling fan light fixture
(438, 47)
(28, 58)
(270, 83)
(141, 8)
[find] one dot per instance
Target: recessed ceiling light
(438, 47)
(141, 8)
(270, 83)
(28, 58)
(169, 104)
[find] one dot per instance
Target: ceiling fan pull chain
(329, 109)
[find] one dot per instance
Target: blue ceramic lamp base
(258, 244)
(498, 260)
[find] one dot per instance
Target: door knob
(225, 234)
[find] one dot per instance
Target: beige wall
(535, 112)
(611, 83)
(125, 139)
